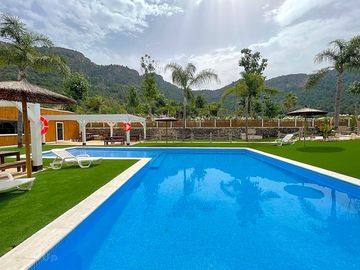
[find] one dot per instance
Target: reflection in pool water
(211, 209)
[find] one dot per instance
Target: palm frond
(240, 89)
(255, 83)
(315, 78)
(354, 88)
(39, 40)
(353, 51)
(204, 77)
(173, 67)
(178, 75)
(270, 91)
(339, 44)
(328, 55)
(4, 55)
(190, 69)
(11, 28)
(51, 62)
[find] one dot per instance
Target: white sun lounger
(9, 183)
(63, 157)
(288, 139)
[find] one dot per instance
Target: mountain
(115, 80)
(321, 97)
(109, 80)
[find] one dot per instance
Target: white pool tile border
(33, 248)
(342, 177)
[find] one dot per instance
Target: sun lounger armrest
(6, 174)
(83, 155)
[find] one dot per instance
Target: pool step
(157, 161)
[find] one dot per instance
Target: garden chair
(9, 183)
(63, 157)
(288, 139)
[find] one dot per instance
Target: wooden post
(26, 136)
(305, 129)
(166, 130)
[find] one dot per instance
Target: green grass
(45, 147)
(340, 156)
(54, 192)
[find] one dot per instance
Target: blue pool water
(216, 209)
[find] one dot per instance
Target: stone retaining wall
(200, 133)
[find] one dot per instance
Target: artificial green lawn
(54, 192)
(339, 156)
(45, 147)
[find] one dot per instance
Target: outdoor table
(4, 154)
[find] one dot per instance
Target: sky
(208, 33)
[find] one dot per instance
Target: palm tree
(186, 78)
(354, 90)
(238, 92)
(250, 87)
(290, 101)
(354, 52)
(339, 57)
(22, 51)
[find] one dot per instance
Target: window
(8, 127)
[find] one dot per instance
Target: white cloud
(291, 10)
(302, 28)
(198, 2)
(80, 23)
(291, 50)
(223, 61)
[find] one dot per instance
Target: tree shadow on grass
(321, 149)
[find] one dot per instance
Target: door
(59, 131)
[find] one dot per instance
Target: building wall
(8, 113)
(71, 128)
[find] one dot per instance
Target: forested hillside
(322, 96)
(115, 80)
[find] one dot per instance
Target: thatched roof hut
(25, 92)
(16, 90)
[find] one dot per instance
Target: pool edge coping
(326, 172)
(342, 177)
(28, 252)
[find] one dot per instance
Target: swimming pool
(216, 209)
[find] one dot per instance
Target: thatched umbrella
(306, 112)
(166, 119)
(25, 92)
